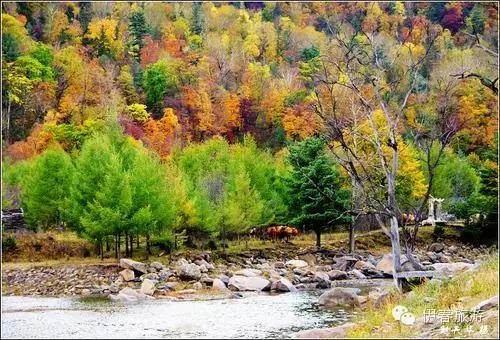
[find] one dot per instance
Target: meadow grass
(462, 292)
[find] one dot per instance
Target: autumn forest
(206, 120)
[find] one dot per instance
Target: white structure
(435, 211)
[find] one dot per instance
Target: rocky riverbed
(201, 276)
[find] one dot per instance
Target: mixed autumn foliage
(151, 118)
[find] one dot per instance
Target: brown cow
(284, 233)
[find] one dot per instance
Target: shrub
(9, 243)
(164, 242)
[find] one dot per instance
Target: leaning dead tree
(363, 84)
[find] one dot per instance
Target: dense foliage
(209, 97)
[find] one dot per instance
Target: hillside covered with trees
(150, 119)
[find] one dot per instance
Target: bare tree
(368, 78)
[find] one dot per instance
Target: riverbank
(441, 307)
(464, 305)
(286, 268)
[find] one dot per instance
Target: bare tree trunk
(396, 251)
(126, 245)
(351, 237)
(107, 243)
(148, 249)
(119, 252)
(116, 246)
(137, 245)
(318, 238)
(131, 241)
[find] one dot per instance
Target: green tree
(85, 15)
(160, 79)
(317, 197)
(10, 48)
(196, 26)
(138, 29)
(242, 206)
(46, 189)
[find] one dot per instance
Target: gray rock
(244, 283)
(197, 286)
(189, 271)
(436, 247)
(157, 265)
(248, 272)
(127, 275)
(129, 295)
(296, 263)
(325, 333)
(180, 262)
(309, 258)
(321, 276)
(206, 279)
(279, 265)
(487, 304)
(339, 296)
(283, 285)
(323, 284)
(357, 274)
(150, 276)
(385, 265)
(337, 275)
(164, 274)
(217, 284)
(224, 278)
(147, 287)
(451, 267)
(131, 264)
(362, 265)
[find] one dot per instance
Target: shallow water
(253, 316)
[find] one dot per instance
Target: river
(252, 316)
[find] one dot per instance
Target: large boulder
(451, 267)
(385, 265)
(283, 285)
(127, 275)
(309, 258)
(325, 333)
(487, 304)
(436, 247)
(296, 263)
(362, 265)
(248, 272)
(189, 271)
(129, 295)
(150, 276)
(357, 274)
(157, 266)
(147, 287)
(217, 284)
(131, 264)
(321, 276)
(253, 283)
(337, 275)
(339, 296)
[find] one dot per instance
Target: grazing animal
(408, 219)
(283, 233)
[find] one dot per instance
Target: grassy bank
(67, 247)
(460, 293)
